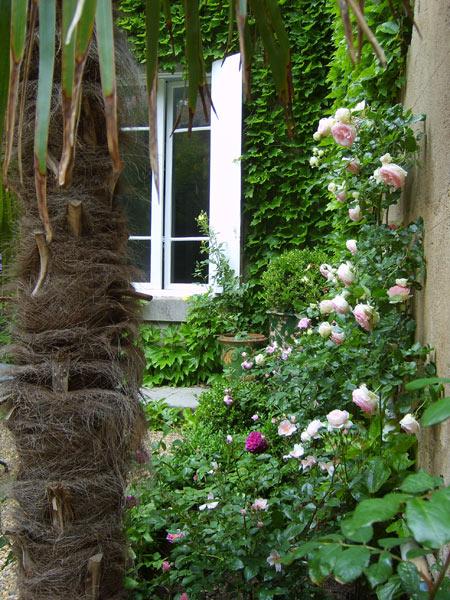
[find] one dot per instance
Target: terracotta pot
(233, 346)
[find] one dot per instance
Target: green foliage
(368, 79)
(292, 280)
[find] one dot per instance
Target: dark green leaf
(379, 572)
(350, 564)
(419, 384)
(377, 473)
(436, 413)
(429, 520)
(420, 482)
(409, 576)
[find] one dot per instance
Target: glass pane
(132, 101)
(190, 181)
(139, 252)
(186, 257)
(133, 191)
(181, 111)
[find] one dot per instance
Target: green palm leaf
(47, 16)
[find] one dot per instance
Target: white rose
(409, 424)
(343, 115)
(325, 330)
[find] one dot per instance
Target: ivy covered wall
(280, 196)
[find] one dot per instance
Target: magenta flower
(172, 537)
(166, 566)
(256, 442)
(304, 323)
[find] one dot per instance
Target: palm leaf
(47, 29)
(5, 27)
(18, 33)
(245, 49)
(152, 14)
(348, 30)
(166, 5)
(29, 53)
(105, 42)
(367, 31)
(79, 31)
(409, 11)
(194, 57)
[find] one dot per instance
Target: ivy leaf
(436, 413)
(429, 520)
(236, 564)
(420, 482)
(350, 564)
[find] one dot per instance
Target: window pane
(134, 187)
(190, 181)
(139, 251)
(180, 110)
(186, 257)
(133, 104)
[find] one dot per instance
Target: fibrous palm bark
(75, 415)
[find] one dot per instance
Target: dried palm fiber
(74, 409)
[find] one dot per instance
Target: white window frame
(225, 179)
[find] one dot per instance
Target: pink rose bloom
(353, 166)
(338, 419)
(256, 442)
(341, 305)
(366, 400)
(325, 270)
(271, 349)
(351, 246)
(274, 560)
(398, 293)
(328, 467)
(247, 365)
(326, 307)
(409, 424)
(355, 213)
(228, 400)
(304, 323)
(285, 353)
(366, 316)
(325, 125)
(337, 337)
(286, 428)
(345, 273)
(341, 196)
(184, 596)
(312, 431)
(391, 174)
(229, 439)
(297, 452)
(325, 329)
(343, 134)
(166, 566)
(260, 504)
(255, 417)
(308, 462)
(172, 537)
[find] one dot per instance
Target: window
(198, 172)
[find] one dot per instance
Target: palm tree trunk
(75, 415)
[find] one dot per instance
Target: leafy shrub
(292, 280)
(248, 399)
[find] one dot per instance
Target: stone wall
(428, 91)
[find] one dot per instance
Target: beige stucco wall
(428, 91)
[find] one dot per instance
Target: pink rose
(351, 246)
(255, 417)
(324, 127)
(409, 424)
(338, 419)
(260, 504)
(286, 428)
(308, 462)
(247, 365)
(312, 431)
(355, 213)
(304, 323)
(256, 442)
(326, 307)
(343, 134)
(172, 537)
(228, 399)
(325, 270)
(366, 400)
(345, 273)
(353, 166)
(341, 196)
(366, 316)
(398, 293)
(166, 566)
(184, 596)
(391, 174)
(341, 305)
(337, 337)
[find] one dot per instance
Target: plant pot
(233, 346)
(281, 327)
